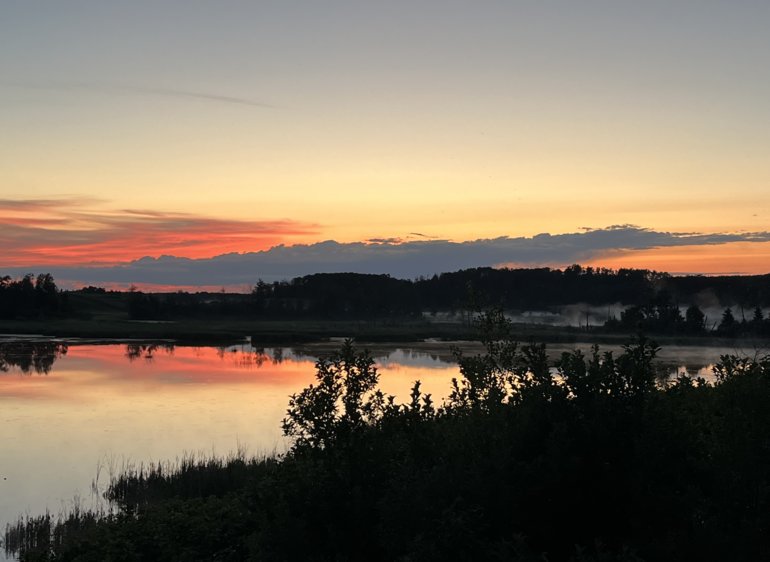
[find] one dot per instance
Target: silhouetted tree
(728, 326)
(695, 320)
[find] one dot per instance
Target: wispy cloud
(196, 95)
(32, 205)
(70, 231)
(123, 89)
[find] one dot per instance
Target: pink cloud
(67, 231)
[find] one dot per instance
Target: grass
(216, 331)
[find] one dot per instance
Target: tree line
(655, 302)
(509, 289)
(31, 297)
(661, 315)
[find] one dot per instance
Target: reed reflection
(135, 351)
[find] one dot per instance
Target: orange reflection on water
(97, 406)
(96, 370)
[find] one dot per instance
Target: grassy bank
(271, 332)
(224, 329)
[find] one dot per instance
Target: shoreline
(330, 333)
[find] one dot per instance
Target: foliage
(30, 297)
(343, 401)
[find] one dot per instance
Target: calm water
(72, 411)
(68, 412)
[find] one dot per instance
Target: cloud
(43, 205)
(405, 260)
(111, 88)
(57, 232)
(384, 241)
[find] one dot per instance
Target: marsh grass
(130, 486)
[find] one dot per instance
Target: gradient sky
(191, 128)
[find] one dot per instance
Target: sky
(193, 129)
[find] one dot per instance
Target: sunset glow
(64, 232)
(390, 121)
(737, 258)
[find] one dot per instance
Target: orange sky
(725, 259)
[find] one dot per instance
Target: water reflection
(39, 356)
(146, 351)
(30, 356)
(110, 403)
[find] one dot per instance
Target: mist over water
(580, 315)
(576, 315)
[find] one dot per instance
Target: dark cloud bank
(404, 260)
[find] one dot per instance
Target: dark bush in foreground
(591, 461)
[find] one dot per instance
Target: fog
(581, 315)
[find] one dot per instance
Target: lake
(75, 411)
